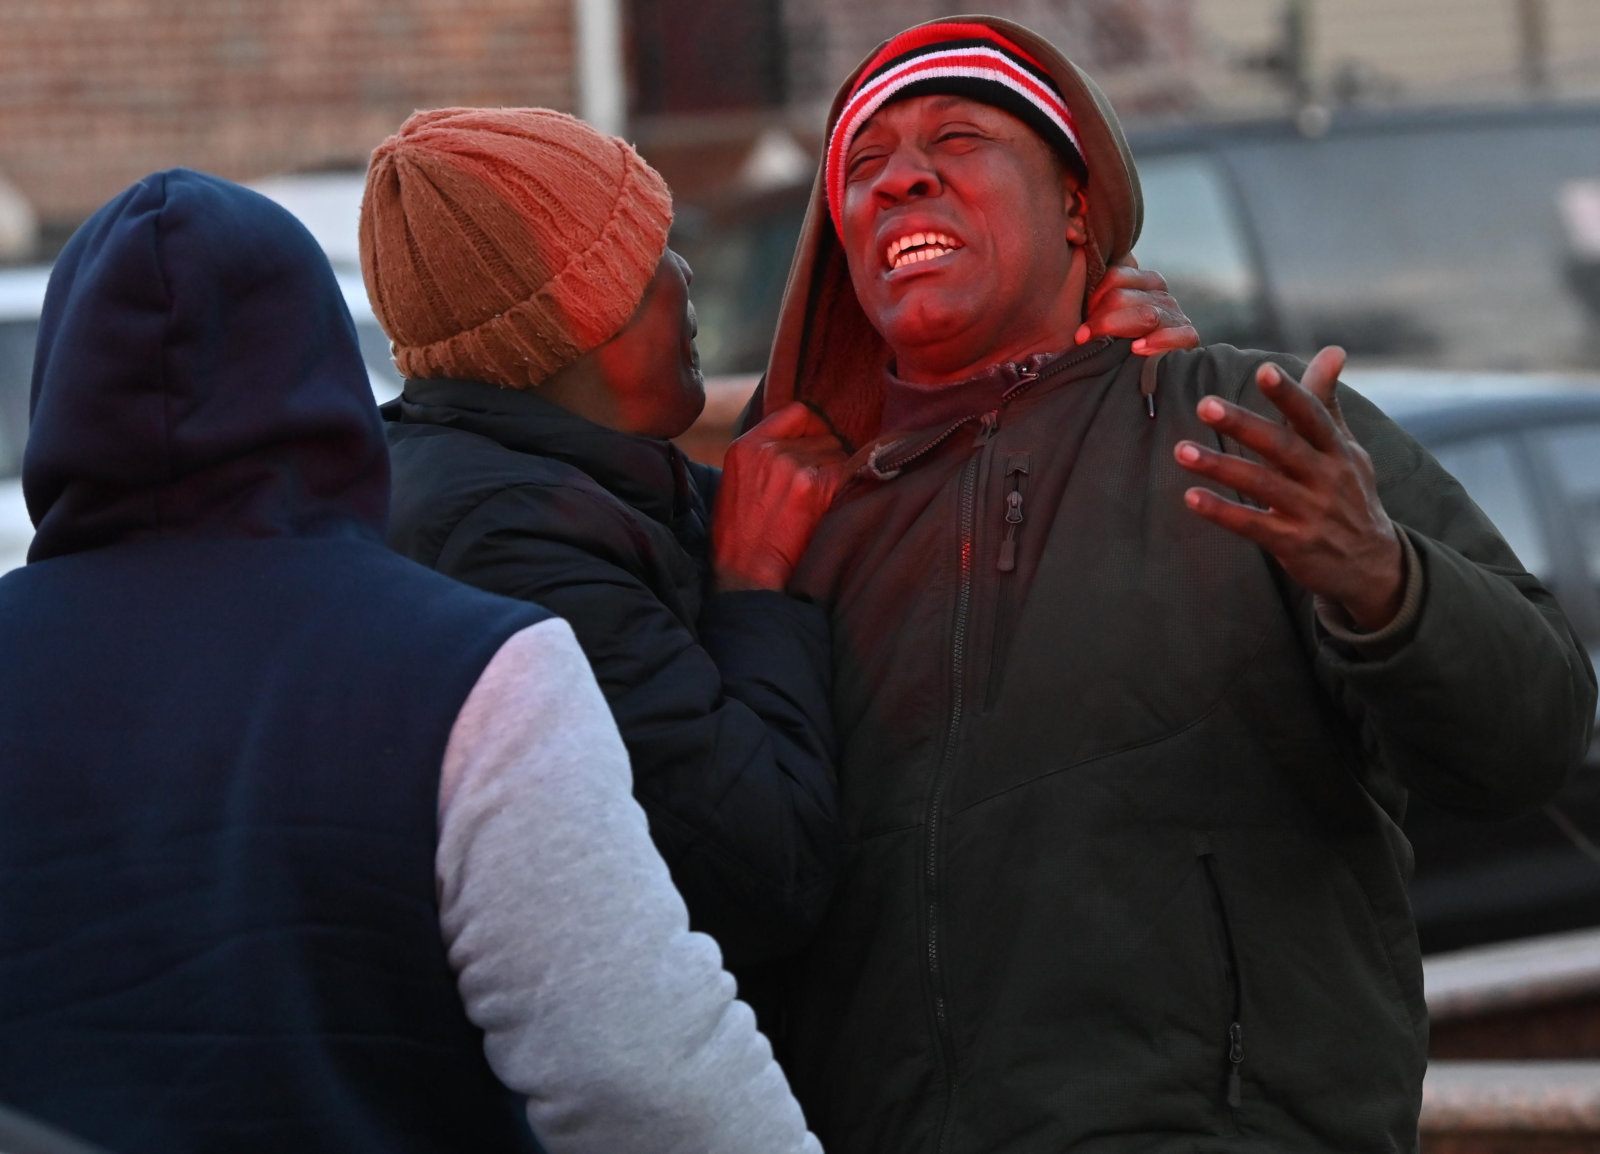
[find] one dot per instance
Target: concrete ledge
(1549, 1097)
(1490, 979)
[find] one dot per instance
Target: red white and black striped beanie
(953, 59)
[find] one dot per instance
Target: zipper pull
(987, 428)
(1235, 1060)
(1016, 469)
(1008, 546)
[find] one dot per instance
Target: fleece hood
(198, 376)
(825, 351)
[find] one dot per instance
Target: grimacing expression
(959, 228)
(653, 362)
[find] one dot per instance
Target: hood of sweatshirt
(827, 353)
(198, 376)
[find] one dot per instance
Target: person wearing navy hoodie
(302, 846)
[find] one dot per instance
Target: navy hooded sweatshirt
(223, 708)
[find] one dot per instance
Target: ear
(1077, 212)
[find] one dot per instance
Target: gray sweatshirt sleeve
(571, 947)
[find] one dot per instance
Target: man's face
(652, 362)
(960, 228)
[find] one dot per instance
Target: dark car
(1528, 452)
(1463, 238)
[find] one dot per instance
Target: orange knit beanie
(499, 244)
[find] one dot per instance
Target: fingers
(814, 452)
(792, 421)
(1265, 486)
(1128, 282)
(1143, 314)
(1279, 446)
(1146, 317)
(1160, 341)
(1322, 374)
(1264, 528)
(1134, 303)
(1306, 412)
(1322, 381)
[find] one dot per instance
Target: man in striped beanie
(1137, 658)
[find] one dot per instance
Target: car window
(16, 375)
(386, 379)
(741, 262)
(1489, 471)
(1574, 456)
(1437, 242)
(1193, 236)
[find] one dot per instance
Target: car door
(1482, 881)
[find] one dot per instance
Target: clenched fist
(777, 481)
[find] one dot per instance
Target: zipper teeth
(1059, 365)
(969, 484)
(931, 445)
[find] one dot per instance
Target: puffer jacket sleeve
(1485, 704)
(729, 732)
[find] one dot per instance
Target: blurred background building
(97, 92)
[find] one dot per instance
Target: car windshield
(1441, 243)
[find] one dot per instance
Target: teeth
(938, 245)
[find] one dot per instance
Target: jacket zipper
(958, 666)
(1235, 981)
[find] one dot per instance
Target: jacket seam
(1118, 752)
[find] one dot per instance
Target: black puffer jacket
(722, 699)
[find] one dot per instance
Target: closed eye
(857, 161)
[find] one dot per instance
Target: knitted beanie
(952, 58)
(500, 244)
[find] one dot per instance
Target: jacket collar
(919, 418)
(908, 406)
(649, 474)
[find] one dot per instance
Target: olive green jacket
(1126, 871)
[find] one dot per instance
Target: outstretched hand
(777, 481)
(1133, 302)
(1321, 517)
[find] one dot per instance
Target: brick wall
(95, 93)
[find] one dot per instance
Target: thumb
(1322, 376)
(793, 421)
